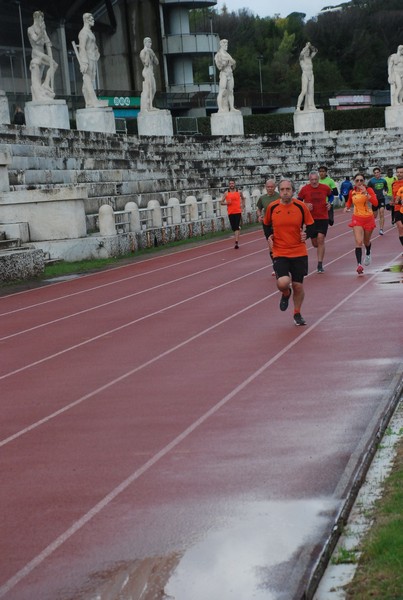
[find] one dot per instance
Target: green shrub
(360, 118)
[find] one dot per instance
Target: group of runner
(289, 219)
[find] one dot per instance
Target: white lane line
(66, 535)
(116, 281)
(122, 298)
(130, 323)
(130, 295)
(133, 371)
(173, 349)
(142, 260)
(137, 275)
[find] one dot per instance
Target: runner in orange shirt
(287, 217)
(363, 220)
(234, 200)
(397, 201)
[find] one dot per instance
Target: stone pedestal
(306, 121)
(52, 214)
(155, 123)
(99, 119)
(47, 113)
(394, 116)
(4, 110)
(226, 123)
(5, 161)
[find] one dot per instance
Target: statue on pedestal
(225, 64)
(307, 78)
(41, 58)
(395, 77)
(88, 55)
(148, 58)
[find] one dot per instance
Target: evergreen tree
(353, 44)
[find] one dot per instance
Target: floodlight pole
(260, 58)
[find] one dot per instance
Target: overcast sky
(269, 8)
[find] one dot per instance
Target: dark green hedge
(362, 118)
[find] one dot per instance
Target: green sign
(122, 101)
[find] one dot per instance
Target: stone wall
(116, 169)
(21, 264)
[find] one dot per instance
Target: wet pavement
(168, 433)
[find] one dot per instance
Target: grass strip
(379, 572)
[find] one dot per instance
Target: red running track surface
(166, 429)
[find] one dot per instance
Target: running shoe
(236, 246)
(367, 260)
(298, 320)
(284, 301)
(320, 270)
(381, 232)
(360, 269)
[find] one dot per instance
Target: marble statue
(41, 60)
(225, 64)
(148, 58)
(395, 77)
(88, 55)
(307, 78)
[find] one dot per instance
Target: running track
(166, 428)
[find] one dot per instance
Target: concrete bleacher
(45, 172)
(117, 169)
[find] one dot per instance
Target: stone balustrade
(204, 215)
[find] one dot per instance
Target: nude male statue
(307, 78)
(225, 64)
(41, 59)
(148, 58)
(88, 55)
(395, 76)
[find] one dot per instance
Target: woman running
(362, 221)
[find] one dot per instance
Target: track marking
(141, 260)
(135, 276)
(66, 535)
(130, 295)
(170, 351)
(130, 323)
(121, 298)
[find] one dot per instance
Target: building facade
(120, 29)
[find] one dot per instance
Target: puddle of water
(142, 579)
(259, 552)
(239, 560)
(375, 362)
(393, 281)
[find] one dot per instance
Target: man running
(380, 186)
(324, 178)
(234, 200)
(316, 197)
(287, 217)
(397, 201)
(264, 202)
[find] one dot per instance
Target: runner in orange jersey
(287, 217)
(234, 200)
